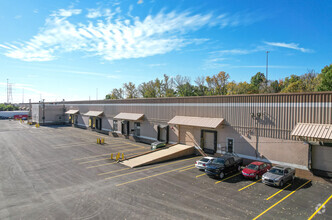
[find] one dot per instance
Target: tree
(256, 82)
(148, 90)
(186, 90)
(201, 89)
(130, 90)
(183, 86)
(115, 94)
(217, 84)
(168, 86)
(325, 76)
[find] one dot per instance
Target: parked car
(158, 144)
(201, 164)
(255, 170)
(220, 166)
(278, 176)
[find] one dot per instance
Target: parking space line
(158, 174)
(279, 191)
(114, 171)
(68, 145)
(100, 155)
(250, 185)
(136, 172)
(150, 168)
(100, 165)
(187, 169)
(106, 164)
(313, 215)
(200, 175)
(91, 161)
(281, 200)
(227, 178)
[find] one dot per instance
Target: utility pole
(7, 91)
(267, 65)
(23, 96)
(96, 93)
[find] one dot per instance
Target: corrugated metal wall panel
(281, 111)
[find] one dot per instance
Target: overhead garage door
(322, 158)
(209, 140)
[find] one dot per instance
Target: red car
(255, 170)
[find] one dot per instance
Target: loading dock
(95, 120)
(125, 123)
(319, 138)
(190, 127)
(72, 116)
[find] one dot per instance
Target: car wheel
(281, 184)
(256, 177)
(221, 175)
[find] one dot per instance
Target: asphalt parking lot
(61, 173)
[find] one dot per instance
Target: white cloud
(288, 45)
(66, 12)
(119, 38)
(112, 39)
(94, 13)
(4, 46)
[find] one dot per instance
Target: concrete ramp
(172, 152)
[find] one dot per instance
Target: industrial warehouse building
(289, 129)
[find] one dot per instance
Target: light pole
(267, 65)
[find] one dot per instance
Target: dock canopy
(196, 121)
(94, 113)
(129, 116)
(72, 112)
(314, 131)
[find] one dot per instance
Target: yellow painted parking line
(68, 145)
(187, 169)
(250, 185)
(201, 175)
(281, 200)
(150, 168)
(114, 171)
(91, 161)
(147, 177)
(106, 164)
(227, 178)
(279, 191)
(100, 165)
(100, 155)
(313, 215)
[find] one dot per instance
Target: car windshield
(204, 160)
(218, 161)
(252, 167)
(277, 171)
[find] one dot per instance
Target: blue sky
(67, 49)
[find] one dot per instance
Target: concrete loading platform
(178, 150)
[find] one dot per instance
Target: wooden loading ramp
(178, 150)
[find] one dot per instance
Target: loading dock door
(209, 140)
(322, 158)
